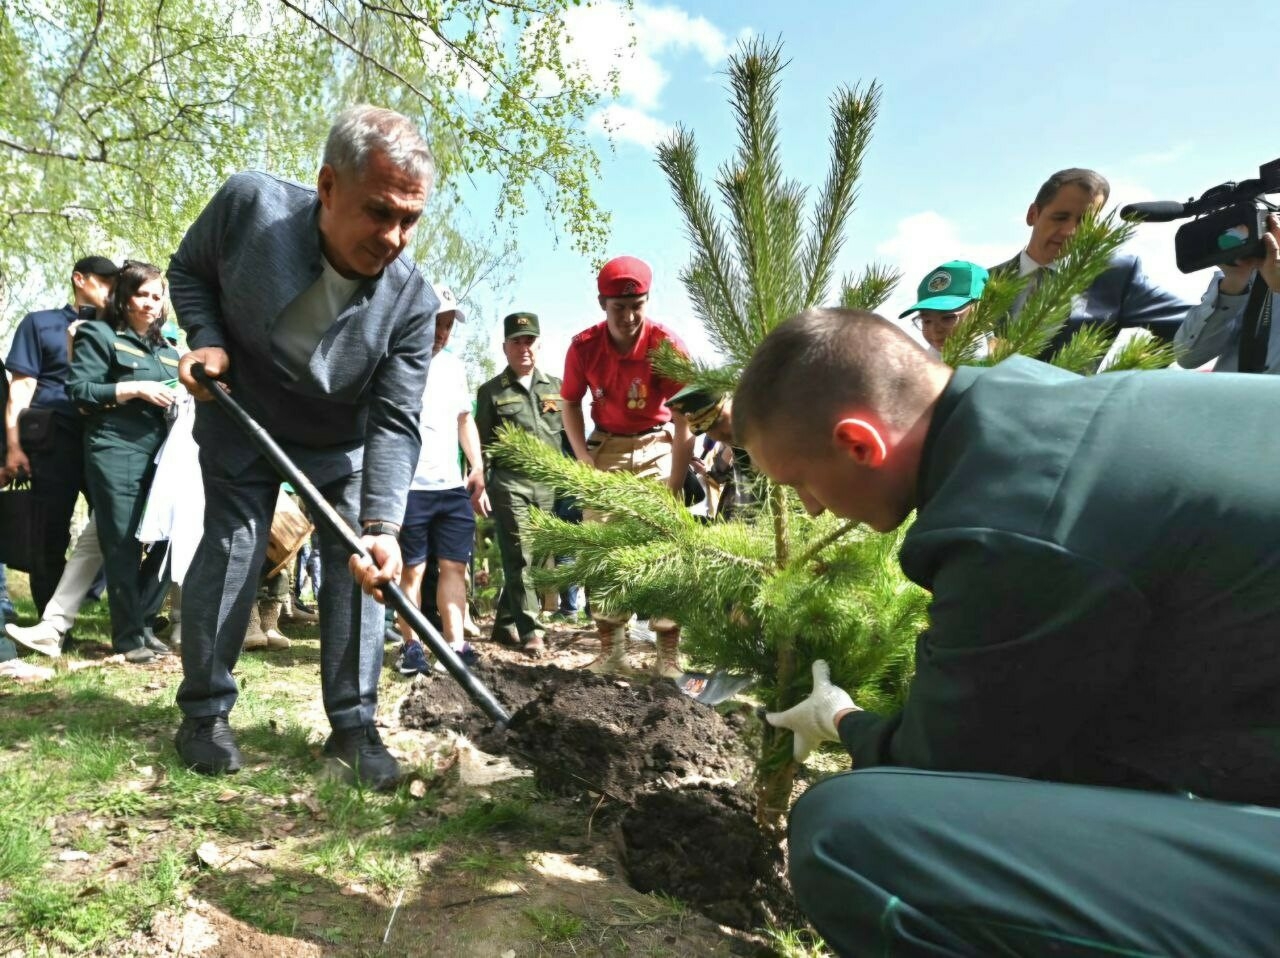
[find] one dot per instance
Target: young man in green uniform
(1104, 558)
(527, 398)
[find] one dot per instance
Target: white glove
(813, 721)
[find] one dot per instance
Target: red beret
(624, 276)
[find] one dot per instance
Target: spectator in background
(6, 604)
(118, 379)
(944, 297)
(634, 430)
(44, 433)
(440, 520)
(1215, 329)
(1121, 295)
(528, 399)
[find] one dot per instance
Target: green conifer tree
(770, 594)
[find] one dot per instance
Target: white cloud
(610, 43)
(630, 125)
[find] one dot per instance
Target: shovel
(327, 518)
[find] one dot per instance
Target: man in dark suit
(301, 301)
(1122, 295)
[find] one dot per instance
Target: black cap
(97, 265)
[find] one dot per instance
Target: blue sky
(981, 102)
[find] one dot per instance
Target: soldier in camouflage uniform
(529, 399)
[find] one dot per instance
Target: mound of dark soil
(596, 733)
(701, 844)
(437, 700)
(650, 747)
(584, 732)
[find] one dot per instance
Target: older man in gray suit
(1121, 295)
(301, 301)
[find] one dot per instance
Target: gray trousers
(222, 585)
(895, 861)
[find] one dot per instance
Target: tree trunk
(777, 769)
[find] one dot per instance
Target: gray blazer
(252, 251)
(1121, 295)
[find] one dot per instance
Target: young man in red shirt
(634, 430)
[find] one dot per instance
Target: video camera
(1230, 220)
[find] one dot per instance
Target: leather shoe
(361, 752)
(207, 746)
(155, 645)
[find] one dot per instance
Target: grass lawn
(108, 845)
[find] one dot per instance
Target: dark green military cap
(701, 407)
(520, 324)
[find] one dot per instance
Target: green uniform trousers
(118, 475)
(902, 862)
(511, 499)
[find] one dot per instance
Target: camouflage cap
(700, 407)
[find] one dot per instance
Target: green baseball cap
(520, 324)
(950, 286)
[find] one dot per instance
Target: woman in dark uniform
(119, 371)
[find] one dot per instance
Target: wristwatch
(380, 527)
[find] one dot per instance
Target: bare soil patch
(672, 767)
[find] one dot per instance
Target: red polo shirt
(626, 396)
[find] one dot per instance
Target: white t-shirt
(302, 325)
(445, 398)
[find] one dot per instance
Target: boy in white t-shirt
(440, 519)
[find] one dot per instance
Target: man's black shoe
(361, 751)
(207, 746)
(150, 641)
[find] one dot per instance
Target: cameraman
(1215, 328)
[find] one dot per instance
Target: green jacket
(537, 410)
(1104, 558)
(104, 357)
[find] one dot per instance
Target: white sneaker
(41, 637)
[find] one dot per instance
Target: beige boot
(292, 615)
(269, 611)
(666, 660)
(612, 659)
(254, 637)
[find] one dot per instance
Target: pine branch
(1144, 352)
(870, 290)
(1086, 255)
(712, 280)
(670, 363)
(644, 501)
(853, 115)
(1085, 349)
(764, 210)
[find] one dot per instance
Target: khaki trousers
(647, 455)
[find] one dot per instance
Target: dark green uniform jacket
(1104, 558)
(104, 357)
(503, 400)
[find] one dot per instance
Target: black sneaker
(361, 752)
(207, 745)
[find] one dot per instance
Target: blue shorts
(440, 524)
